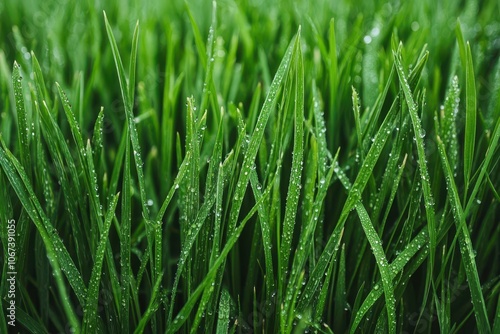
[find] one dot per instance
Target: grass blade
(22, 121)
(293, 195)
(128, 103)
(224, 308)
(470, 119)
(125, 229)
(465, 243)
(90, 311)
(422, 164)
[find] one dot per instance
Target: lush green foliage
(239, 166)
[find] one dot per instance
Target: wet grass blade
(395, 267)
(125, 229)
(383, 265)
(295, 184)
(223, 317)
(380, 258)
(22, 121)
(465, 243)
(422, 161)
(90, 311)
(256, 138)
(353, 198)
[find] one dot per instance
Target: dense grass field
(250, 166)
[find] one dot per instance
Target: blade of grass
(266, 234)
(154, 303)
(355, 108)
(293, 195)
(22, 121)
(90, 309)
(394, 268)
(333, 76)
(187, 245)
(128, 103)
(465, 243)
(422, 162)
(62, 161)
(223, 317)
(97, 138)
(125, 228)
(340, 293)
(449, 115)
(470, 119)
(379, 254)
(258, 134)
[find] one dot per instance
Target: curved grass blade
(87, 160)
(422, 164)
(208, 82)
(465, 243)
(216, 247)
(32, 325)
(132, 67)
(321, 305)
(383, 265)
(206, 230)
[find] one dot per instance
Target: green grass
(242, 166)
